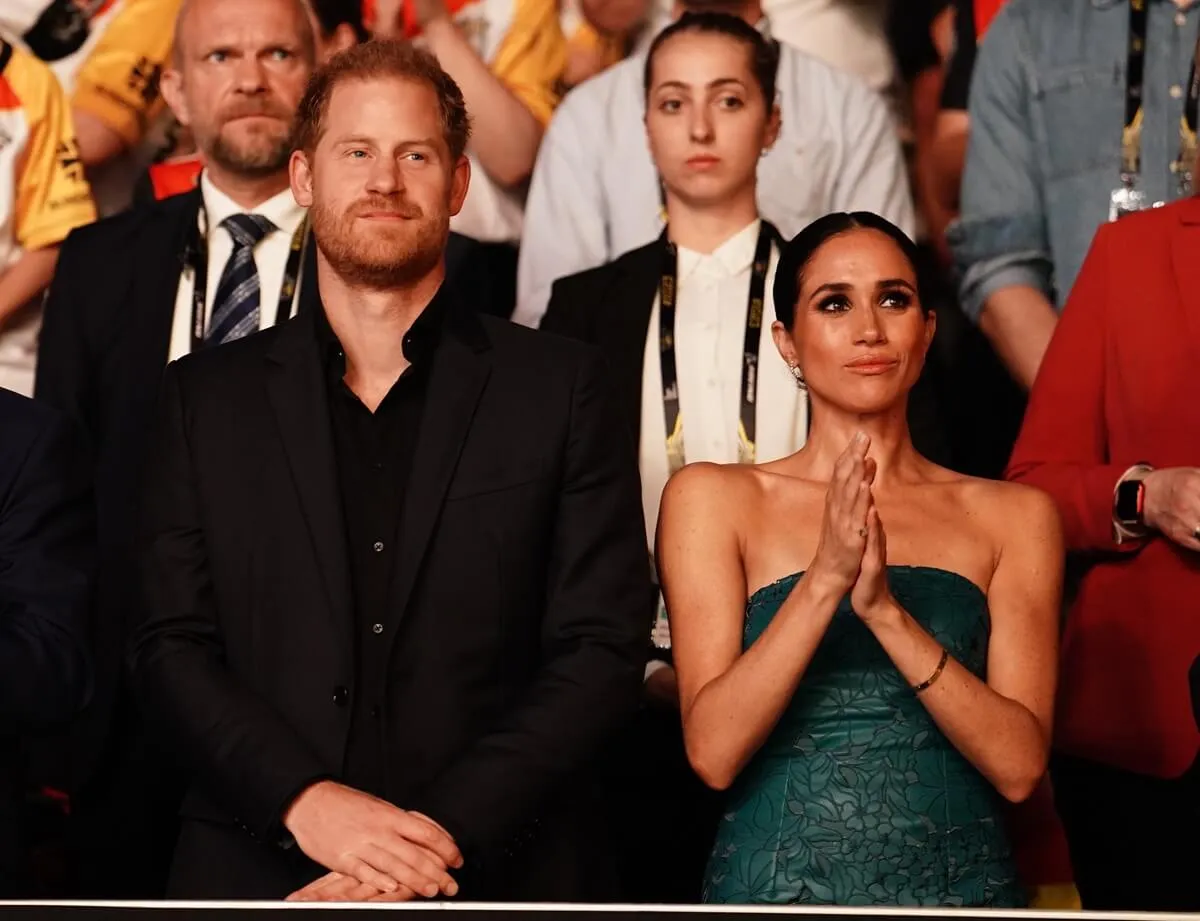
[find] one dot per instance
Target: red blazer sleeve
(1063, 445)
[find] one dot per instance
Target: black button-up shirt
(374, 453)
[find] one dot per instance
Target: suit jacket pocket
(478, 481)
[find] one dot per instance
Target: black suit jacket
(104, 344)
(610, 306)
(516, 631)
(46, 546)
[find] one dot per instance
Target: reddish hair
(379, 60)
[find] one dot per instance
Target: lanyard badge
(668, 294)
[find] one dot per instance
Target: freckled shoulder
(717, 491)
(1010, 512)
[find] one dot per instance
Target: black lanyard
(667, 293)
(1131, 137)
(198, 253)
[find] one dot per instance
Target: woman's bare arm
(730, 699)
(1003, 726)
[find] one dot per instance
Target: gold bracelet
(937, 673)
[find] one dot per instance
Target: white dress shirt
(710, 332)
(850, 35)
(594, 192)
(270, 257)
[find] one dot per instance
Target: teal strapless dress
(857, 798)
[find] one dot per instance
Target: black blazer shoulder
(121, 239)
(138, 253)
(23, 421)
(580, 303)
(610, 306)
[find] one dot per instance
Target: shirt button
(341, 695)
(375, 712)
(378, 546)
(1176, 91)
(377, 628)
(1180, 20)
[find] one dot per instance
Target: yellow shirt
(117, 82)
(524, 44)
(43, 192)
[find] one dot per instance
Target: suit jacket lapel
(298, 396)
(457, 378)
(163, 246)
(623, 323)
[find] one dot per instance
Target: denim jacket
(1047, 107)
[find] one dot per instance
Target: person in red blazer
(1112, 432)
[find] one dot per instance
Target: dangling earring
(799, 376)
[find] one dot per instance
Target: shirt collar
(419, 344)
(732, 257)
(280, 209)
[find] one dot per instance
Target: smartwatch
(1129, 508)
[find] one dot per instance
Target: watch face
(1129, 502)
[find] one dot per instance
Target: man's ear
(460, 181)
(301, 179)
(171, 87)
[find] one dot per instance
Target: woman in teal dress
(865, 642)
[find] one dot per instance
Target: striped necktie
(235, 311)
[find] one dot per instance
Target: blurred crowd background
(1000, 136)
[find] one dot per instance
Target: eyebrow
(715, 84)
(837, 287)
(373, 142)
(841, 287)
(894, 283)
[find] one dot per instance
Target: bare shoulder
(711, 487)
(714, 498)
(1012, 512)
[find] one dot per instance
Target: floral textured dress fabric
(857, 798)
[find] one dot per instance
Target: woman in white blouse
(680, 321)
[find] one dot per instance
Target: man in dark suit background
(46, 533)
(121, 306)
(394, 563)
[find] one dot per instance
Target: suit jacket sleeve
(1063, 446)
(563, 314)
(594, 636)
(46, 558)
(241, 751)
(64, 361)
